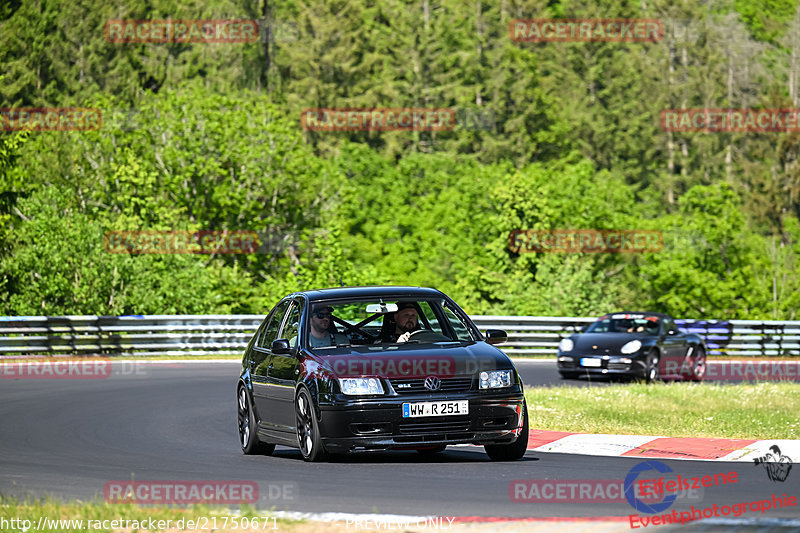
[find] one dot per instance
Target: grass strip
(766, 410)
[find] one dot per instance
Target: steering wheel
(427, 335)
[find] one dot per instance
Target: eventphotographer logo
(775, 463)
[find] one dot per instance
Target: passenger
(399, 326)
(323, 332)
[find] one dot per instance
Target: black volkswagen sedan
(636, 344)
(377, 368)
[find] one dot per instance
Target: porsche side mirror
(496, 336)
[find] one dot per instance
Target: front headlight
(495, 379)
(360, 386)
(566, 345)
(631, 347)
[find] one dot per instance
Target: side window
(462, 333)
(669, 325)
(271, 331)
(292, 325)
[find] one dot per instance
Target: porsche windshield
(643, 324)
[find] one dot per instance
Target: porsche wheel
(699, 366)
(652, 373)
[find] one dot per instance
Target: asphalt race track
(69, 437)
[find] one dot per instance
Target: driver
(405, 321)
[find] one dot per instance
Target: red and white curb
(655, 447)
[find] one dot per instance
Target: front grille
(417, 385)
(438, 426)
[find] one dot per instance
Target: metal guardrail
(142, 335)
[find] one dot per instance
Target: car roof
(378, 291)
(648, 313)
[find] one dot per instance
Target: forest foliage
(200, 136)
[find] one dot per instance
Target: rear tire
(515, 450)
(248, 429)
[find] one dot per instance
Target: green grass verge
(162, 517)
(745, 411)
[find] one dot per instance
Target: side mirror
(496, 336)
(281, 346)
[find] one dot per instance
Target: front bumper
(610, 365)
(378, 424)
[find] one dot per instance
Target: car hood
(602, 343)
(443, 359)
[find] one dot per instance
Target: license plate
(589, 361)
(459, 407)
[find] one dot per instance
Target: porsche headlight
(495, 379)
(566, 345)
(360, 386)
(631, 347)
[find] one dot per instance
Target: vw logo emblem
(432, 383)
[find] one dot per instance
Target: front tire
(308, 437)
(652, 373)
(569, 375)
(515, 450)
(248, 429)
(699, 366)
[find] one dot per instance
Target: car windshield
(381, 321)
(626, 323)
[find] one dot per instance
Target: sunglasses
(322, 315)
